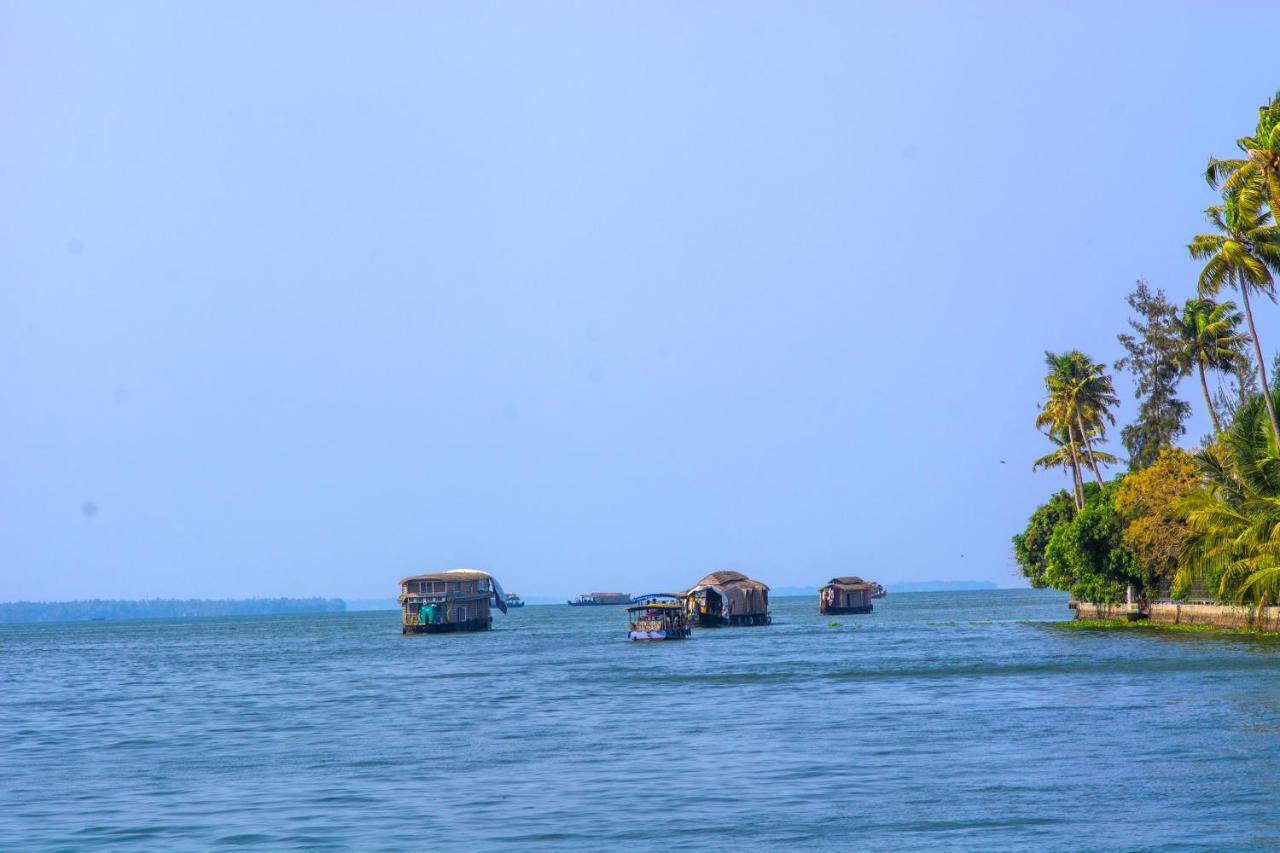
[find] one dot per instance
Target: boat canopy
(655, 605)
(464, 575)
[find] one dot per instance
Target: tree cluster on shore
(1203, 523)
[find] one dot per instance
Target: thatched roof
(850, 582)
(730, 579)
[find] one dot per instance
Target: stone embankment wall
(1174, 613)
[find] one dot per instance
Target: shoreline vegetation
(1141, 625)
(1197, 526)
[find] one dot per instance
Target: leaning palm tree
(1056, 423)
(1064, 456)
(1242, 255)
(1260, 165)
(1081, 396)
(1207, 331)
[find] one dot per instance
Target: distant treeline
(161, 608)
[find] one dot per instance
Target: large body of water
(944, 720)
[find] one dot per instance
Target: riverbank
(1161, 627)
(1174, 613)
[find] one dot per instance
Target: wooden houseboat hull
(845, 611)
(711, 620)
(470, 625)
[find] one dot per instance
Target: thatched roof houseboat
(456, 600)
(727, 598)
(848, 594)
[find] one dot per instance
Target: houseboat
(878, 591)
(443, 602)
(596, 599)
(847, 594)
(514, 600)
(727, 598)
(658, 616)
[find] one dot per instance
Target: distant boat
(848, 594)
(514, 600)
(596, 599)
(878, 591)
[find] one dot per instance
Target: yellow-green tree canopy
(1155, 532)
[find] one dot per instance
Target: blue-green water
(944, 720)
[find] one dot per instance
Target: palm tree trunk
(1093, 463)
(1077, 483)
(1208, 401)
(1262, 364)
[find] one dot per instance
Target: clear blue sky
(302, 298)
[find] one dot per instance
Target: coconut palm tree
(1260, 165)
(1207, 330)
(1063, 456)
(1076, 410)
(1242, 255)
(1235, 518)
(1081, 395)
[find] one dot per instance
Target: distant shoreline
(30, 612)
(94, 610)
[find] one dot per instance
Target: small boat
(878, 591)
(514, 600)
(596, 599)
(657, 616)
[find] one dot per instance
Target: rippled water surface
(958, 720)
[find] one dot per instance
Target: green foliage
(1154, 531)
(1154, 357)
(1234, 547)
(1029, 546)
(1259, 168)
(1081, 552)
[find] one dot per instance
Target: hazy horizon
(305, 301)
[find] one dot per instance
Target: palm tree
(1242, 255)
(1060, 432)
(1076, 409)
(1260, 165)
(1207, 330)
(1081, 393)
(1063, 456)
(1235, 517)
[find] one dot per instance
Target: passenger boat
(514, 600)
(727, 598)
(658, 616)
(444, 602)
(595, 599)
